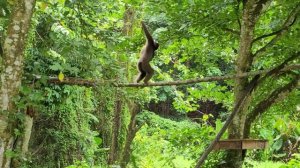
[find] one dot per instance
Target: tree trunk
(114, 147)
(251, 12)
(21, 143)
(131, 132)
(104, 117)
(13, 52)
(27, 133)
(128, 20)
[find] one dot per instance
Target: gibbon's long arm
(148, 35)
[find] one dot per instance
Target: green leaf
(56, 67)
(277, 145)
(98, 140)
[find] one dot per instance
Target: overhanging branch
(85, 82)
(275, 71)
(285, 27)
(289, 22)
(265, 104)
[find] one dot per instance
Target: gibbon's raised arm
(148, 35)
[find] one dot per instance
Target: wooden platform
(241, 144)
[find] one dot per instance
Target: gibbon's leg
(149, 72)
(140, 77)
(142, 73)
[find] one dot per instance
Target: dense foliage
(76, 125)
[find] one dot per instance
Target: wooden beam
(239, 144)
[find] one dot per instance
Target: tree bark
(13, 53)
(22, 142)
(251, 12)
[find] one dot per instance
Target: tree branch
(231, 30)
(275, 32)
(258, 79)
(281, 66)
(74, 81)
(237, 9)
(267, 102)
(274, 71)
(289, 22)
(208, 79)
(93, 83)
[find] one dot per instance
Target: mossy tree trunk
(132, 129)
(251, 11)
(240, 126)
(116, 125)
(13, 53)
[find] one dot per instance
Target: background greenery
(87, 39)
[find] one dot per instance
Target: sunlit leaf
(98, 140)
(61, 76)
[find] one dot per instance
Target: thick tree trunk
(13, 48)
(251, 12)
